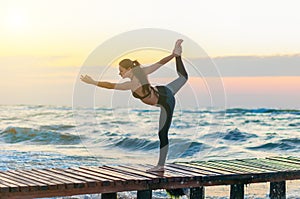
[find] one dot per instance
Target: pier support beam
(109, 196)
(237, 191)
(277, 190)
(197, 193)
(144, 194)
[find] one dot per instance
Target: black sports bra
(142, 97)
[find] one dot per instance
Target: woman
(162, 96)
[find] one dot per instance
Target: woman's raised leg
(175, 85)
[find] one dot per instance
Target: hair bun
(135, 63)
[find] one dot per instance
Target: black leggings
(175, 85)
(167, 104)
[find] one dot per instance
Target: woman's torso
(149, 97)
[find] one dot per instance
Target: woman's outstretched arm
(118, 86)
(157, 65)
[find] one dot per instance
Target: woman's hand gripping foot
(178, 49)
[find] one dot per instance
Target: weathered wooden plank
(127, 178)
(159, 177)
(255, 165)
(218, 167)
(93, 180)
(274, 164)
(33, 184)
(87, 181)
(191, 169)
(231, 167)
(186, 176)
(284, 165)
(186, 173)
(14, 182)
(169, 174)
(201, 168)
(71, 182)
(252, 165)
(3, 187)
(140, 177)
(248, 168)
(189, 173)
(127, 172)
(293, 158)
(262, 168)
(32, 178)
(154, 178)
(107, 176)
(106, 180)
(247, 178)
(61, 183)
(111, 179)
(46, 180)
(12, 187)
(92, 190)
(121, 174)
(292, 163)
(164, 176)
(132, 187)
(262, 164)
(283, 162)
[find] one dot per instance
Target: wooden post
(277, 190)
(144, 194)
(109, 196)
(197, 193)
(237, 191)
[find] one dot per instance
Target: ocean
(40, 136)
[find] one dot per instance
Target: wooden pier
(109, 180)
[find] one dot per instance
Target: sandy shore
(252, 191)
(255, 190)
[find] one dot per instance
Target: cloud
(36, 61)
(248, 81)
(251, 66)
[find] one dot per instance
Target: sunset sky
(255, 45)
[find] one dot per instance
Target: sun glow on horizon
(223, 28)
(16, 20)
(44, 43)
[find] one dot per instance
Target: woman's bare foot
(157, 168)
(178, 49)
